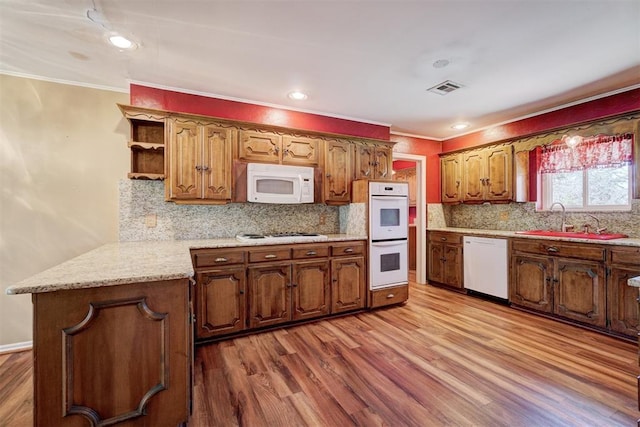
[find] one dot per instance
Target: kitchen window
(595, 175)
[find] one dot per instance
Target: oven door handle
(388, 198)
(389, 242)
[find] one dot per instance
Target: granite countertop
(634, 281)
(503, 233)
(134, 262)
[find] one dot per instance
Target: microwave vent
(445, 87)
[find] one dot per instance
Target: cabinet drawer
(269, 254)
(436, 236)
(217, 257)
(310, 251)
(347, 248)
(568, 250)
(389, 296)
(625, 255)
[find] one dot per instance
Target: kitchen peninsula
(118, 318)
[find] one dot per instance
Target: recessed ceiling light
(460, 126)
(122, 42)
(297, 95)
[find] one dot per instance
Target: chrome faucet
(599, 230)
(564, 226)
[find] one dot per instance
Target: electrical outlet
(150, 220)
(322, 219)
(504, 216)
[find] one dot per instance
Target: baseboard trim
(15, 347)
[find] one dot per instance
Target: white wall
(62, 151)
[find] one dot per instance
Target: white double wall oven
(388, 234)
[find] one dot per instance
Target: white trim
(252, 102)
(18, 346)
(412, 135)
(64, 82)
(421, 212)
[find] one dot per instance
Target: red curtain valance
(600, 151)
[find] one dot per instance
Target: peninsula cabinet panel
(220, 302)
(269, 295)
(338, 173)
(199, 162)
(116, 354)
(348, 284)
(310, 288)
(451, 175)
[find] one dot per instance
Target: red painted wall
(423, 147)
(143, 96)
(604, 107)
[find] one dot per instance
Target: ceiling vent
(445, 87)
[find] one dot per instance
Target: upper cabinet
(337, 173)
(271, 147)
(146, 143)
(373, 161)
(198, 162)
(476, 176)
(451, 176)
(408, 175)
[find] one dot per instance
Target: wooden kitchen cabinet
(199, 162)
(621, 298)
(451, 176)
(146, 143)
(113, 355)
(269, 294)
(487, 175)
(373, 161)
(408, 175)
(311, 294)
(348, 277)
(338, 173)
(561, 278)
(271, 147)
(444, 260)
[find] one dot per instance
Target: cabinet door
(217, 145)
(531, 282)
(623, 306)
(383, 162)
(300, 151)
(269, 295)
(310, 292)
(348, 285)
(452, 268)
(436, 262)
(413, 181)
(365, 161)
(473, 164)
(337, 181)
(184, 162)
(220, 302)
(579, 292)
(451, 175)
(499, 174)
(257, 146)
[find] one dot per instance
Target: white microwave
(268, 183)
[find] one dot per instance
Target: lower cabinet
(622, 299)
(255, 287)
(563, 279)
(444, 262)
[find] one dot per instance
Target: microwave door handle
(300, 188)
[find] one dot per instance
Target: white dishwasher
(485, 266)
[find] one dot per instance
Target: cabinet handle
(348, 250)
(277, 150)
(311, 253)
(555, 280)
(552, 249)
(241, 291)
(590, 314)
(457, 183)
(221, 259)
(443, 239)
(198, 168)
(487, 182)
(270, 256)
(328, 175)
(205, 168)
(390, 296)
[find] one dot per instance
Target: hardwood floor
(442, 359)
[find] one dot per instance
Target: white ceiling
(364, 59)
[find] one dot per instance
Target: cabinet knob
(241, 291)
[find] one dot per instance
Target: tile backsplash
(142, 204)
(523, 216)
